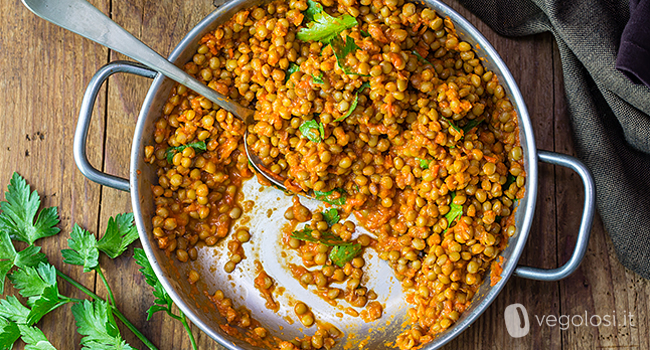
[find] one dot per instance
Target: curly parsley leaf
(321, 26)
(312, 131)
(471, 125)
(421, 59)
(424, 163)
(326, 238)
(292, 69)
(331, 216)
(96, 323)
(28, 257)
(198, 146)
(13, 310)
(455, 211)
(19, 211)
(84, 249)
(34, 338)
(120, 233)
(341, 255)
(9, 333)
(162, 302)
(327, 197)
(354, 103)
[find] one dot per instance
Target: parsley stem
(115, 311)
(188, 329)
(134, 330)
(108, 288)
(85, 290)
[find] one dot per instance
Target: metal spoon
(80, 17)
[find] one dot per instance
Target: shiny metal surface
(585, 224)
(80, 17)
(265, 221)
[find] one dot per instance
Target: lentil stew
(392, 119)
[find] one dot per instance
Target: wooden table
(44, 71)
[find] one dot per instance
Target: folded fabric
(634, 53)
(609, 114)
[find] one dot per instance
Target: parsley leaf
(39, 285)
(30, 256)
(342, 49)
(318, 79)
(455, 211)
(13, 310)
(32, 281)
(471, 125)
(341, 255)
(198, 146)
(325, 197)
(96, 323)
(510, 180)
(292, 69)
(322, 26)
(34, 338)
(313, 8)
(19, 211)
(326, 238)
(9, 333)
(84, 249)
(424, 163)
(354, 103)
(162, 302)
(421, 59)
(331, 216)
(312, 131)
(120, 233)
(49, 300)
(364, 33)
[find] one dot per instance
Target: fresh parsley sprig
(36, 279)
(96, 323)
(19, 211)
(163, 301)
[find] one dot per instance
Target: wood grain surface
(43, 74)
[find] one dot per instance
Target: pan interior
(265, 221)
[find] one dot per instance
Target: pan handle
(85, 113)
(584, 231)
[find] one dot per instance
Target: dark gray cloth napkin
(610, 115)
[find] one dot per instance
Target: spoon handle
(80, 17)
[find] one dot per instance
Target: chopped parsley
(198, 146)
(312, 131)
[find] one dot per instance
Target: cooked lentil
(406, 152)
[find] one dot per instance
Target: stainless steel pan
(264, 227)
